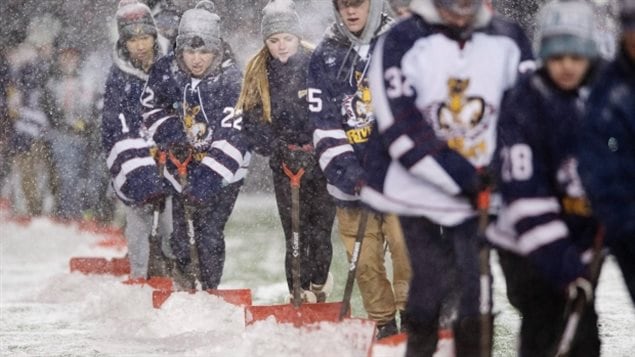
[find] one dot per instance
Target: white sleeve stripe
(223, 171)
(400, 146)
(339, 194)
(124, 145)
(130, 166)
(542, 235)
(430, 170)
(320, 134)
(381, 106)
(329, 154)
(145, 116)
(153, 128)
(530, 207)
(229, 150)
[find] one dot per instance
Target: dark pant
(542, 307)
(624, 251)
(209, 224)
(317, 213)
(445, 265)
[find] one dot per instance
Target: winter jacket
(341, 111)
(289, 124)
(32, 121)
(182, 113)
(133, 169)
(437, 99)
(545, 214)
(607, 160)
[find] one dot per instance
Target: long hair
(255, 89)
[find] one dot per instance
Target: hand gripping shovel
(297, 313)
(241, 297)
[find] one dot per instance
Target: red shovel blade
(94, 265)
(445, 344)
(155, 282)
(239, 297)
(304, 315)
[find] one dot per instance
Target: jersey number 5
(315, 102)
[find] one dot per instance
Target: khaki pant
(30, 163)
(377, 293)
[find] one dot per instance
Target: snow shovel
(158, 264)
(577, 306)
(297, 313)
(485, 275)
(100, 266)
(189, 280)
(352, 268)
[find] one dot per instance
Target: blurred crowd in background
(54, 58)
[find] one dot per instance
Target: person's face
(354, 14)
(198, 61)
(629, 43)
(453, 19)
(568, 71)
(282, 45)
(141, 49)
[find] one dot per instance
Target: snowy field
(47, 311)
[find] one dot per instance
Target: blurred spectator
(32, 61)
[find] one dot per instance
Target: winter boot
(467, 336)
(387, 330)
(183, 275)
(322, 291)
(422, 339)
(403, 321)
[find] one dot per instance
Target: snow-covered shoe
(308, 297)
(322, 291)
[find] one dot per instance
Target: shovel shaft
(352, 269)
(295, 227)
(485, 302)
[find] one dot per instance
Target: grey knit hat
(566, 27)
(280, 16)
(134, 18)
(461, 7)
(199, 28)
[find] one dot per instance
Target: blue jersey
(607, 160)
(134, 173)
(341, 111)
(199, 113)
(545, 214)
(436, 100)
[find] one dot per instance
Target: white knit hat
(134, 18)
(199, 28)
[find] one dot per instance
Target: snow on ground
(47, 311)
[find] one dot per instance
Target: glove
(483, 181)
(299, 157)
(580, 287)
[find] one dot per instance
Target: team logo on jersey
(461, 119)
(198, 133)
(358, 112)
(574, 199)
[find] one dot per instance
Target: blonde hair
(255, 89)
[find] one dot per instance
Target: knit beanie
(461, 7)
(280, 16)
(134, 18)
(199, 28)
(566, 27)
